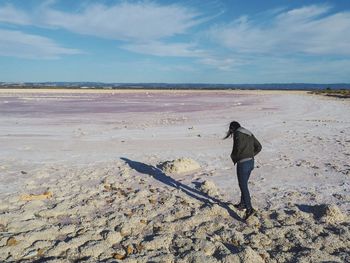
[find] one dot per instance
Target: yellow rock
(143, 221)
(11, 242)
(40, 251)
(152, 201)
(264, 256)
(119, 256)
(129, 249)
(31, 197)
(129, 214)
(235, 243)
(107, 187)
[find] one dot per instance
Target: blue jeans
(243, 173)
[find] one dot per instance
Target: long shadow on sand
(157, 174)
(316, 210)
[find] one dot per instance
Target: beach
(84, 176)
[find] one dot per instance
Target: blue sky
(193, 41)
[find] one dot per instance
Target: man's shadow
(157, 174)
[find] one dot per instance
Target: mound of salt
(331, 213)
(209, 188)
(179, 166)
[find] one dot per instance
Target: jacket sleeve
(257, 146)
(235, 149)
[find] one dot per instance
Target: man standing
(245, 147)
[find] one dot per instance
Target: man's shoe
(249, 213)
(239, 206)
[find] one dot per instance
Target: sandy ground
(80, 179)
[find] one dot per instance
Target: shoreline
(113, 91)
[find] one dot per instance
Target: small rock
(11, 242)
(157, 242)
(2, 228)
(221, 251)
(217, 210)
(139, 248)
(206, 246)
(113, 237)
(129, 249)
(119, 256)
(209, 188)
(338, 196)
(249, 255)
(30, 197)
(198, 257)
(260, 240)
(237, 238)
(232, 258)
(67, 229)
(40, 251)
(120, 252)
(253, 221)
(124, 171)
(31, 254)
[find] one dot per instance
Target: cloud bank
(18, 44)
(141, 21)
(285, 39)
(308, 30)
(144, 27)
(9, 14)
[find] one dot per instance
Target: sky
(189, 41)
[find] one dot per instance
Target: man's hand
(233, 160)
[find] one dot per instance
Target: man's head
(234, 125)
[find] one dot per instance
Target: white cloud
(158, 48)
(225, 64)
(125, 21)
(303, 14)
(292, 69)
(143, 26)
(308, 30)
(22, 45)
(9, 14)
(141, 21)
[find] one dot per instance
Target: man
(245, 147)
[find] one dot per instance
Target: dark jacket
(245, 145)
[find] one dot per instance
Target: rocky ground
(134, 212)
